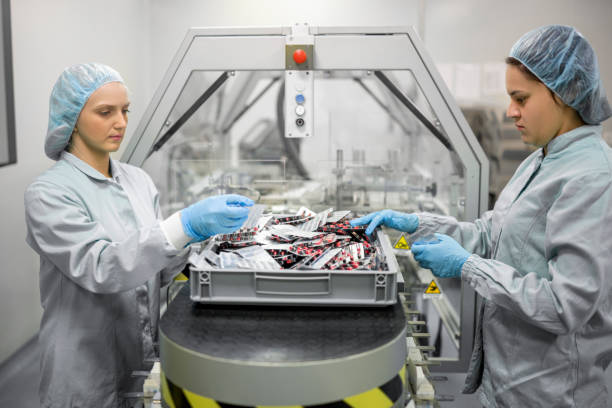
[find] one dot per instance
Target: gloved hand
(215, 215)
(394, 219)
(445, 257)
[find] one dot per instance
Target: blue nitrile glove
(215, 215)
(394, 219)
(445, 257)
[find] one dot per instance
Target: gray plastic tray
(299, 287)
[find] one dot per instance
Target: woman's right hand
(215, 215)
(394, 219)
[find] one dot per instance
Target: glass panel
(368, 152)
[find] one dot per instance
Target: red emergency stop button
(299, 56)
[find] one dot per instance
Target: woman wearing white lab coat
(541, 259)
(104, 248)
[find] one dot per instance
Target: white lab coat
(103, 257)
(543, 265)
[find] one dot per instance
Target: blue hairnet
(565, 62)
(72, 89)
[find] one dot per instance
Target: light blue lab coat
(103, 257)
(543, 264)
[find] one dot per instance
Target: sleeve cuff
(471, 275)
(173, 230)
(468, 268)
(428, 225)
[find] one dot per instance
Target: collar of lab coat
(90, 171)
(562, 141)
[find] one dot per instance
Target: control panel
(299, 82)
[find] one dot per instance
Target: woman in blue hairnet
(541, 259)
(104, 248)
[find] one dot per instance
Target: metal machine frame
(335, 48)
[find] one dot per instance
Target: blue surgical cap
(566, 63)
(72, 89)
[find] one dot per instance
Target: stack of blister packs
(305, 240)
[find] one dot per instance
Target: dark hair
(514, 62)
(522, 68)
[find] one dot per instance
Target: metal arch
(262, 48)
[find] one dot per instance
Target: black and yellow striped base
(384, 396)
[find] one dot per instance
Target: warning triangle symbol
(402, 243)
(433, 288)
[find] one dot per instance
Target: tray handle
(267, 285)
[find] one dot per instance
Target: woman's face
(102, 122)
(536, 114)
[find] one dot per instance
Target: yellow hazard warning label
(433, 289)
(181, 277)
(401, 243)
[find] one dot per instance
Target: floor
(449, 394)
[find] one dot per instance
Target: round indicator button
(299, 110)
(299, 56)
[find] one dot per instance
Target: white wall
(48, 36)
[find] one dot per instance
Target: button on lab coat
(103, 257)
(542, 263)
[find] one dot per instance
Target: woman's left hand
(445, 257)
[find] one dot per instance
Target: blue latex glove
(394, 219)
(444, 257)
(215, 215)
